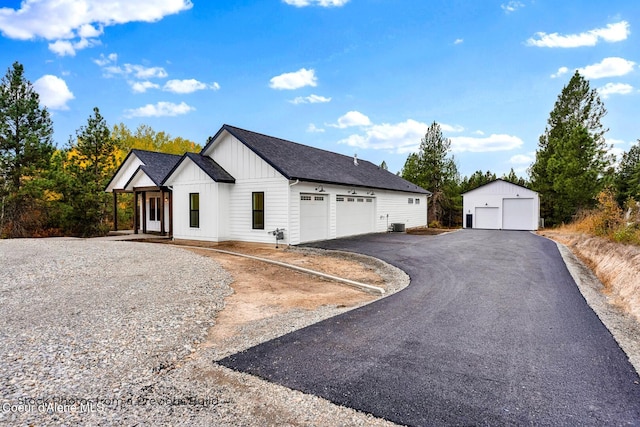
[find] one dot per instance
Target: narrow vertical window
(152, 209)
(258, 210)
(194, 210)
(158, 207)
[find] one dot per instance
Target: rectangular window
(369, 200)
(417, 201)
(410, 200)
(194, 210)
(257, 210)
(318, 198)
(350, 199)
(152, 209)
(339, 199)
(305, 197)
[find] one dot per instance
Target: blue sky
(350, 76)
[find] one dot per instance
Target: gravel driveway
(491, 331)
(106, 333)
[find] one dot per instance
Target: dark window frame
(257, 210)
(152, 208)
(194, 210)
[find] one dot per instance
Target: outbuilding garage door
(354, 215)
(488, 218)
(314, 217)
(517, 214)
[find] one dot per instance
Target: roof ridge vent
(355, 160)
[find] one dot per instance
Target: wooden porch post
(144, 212)
(115, 211)
(171, 213)
(136, 213)
(162, 232)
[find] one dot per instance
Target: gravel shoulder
(102, 333)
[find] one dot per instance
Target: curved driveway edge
(492, 330)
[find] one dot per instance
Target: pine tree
(571, 160)
(91, 162)
(26, 147)
(433, 169)
(627, 179)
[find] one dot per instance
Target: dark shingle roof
(208, 165)
(297, 161)
(156, 165)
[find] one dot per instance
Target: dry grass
(616, 265)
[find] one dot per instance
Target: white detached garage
(501, 205)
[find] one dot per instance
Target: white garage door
(488, 218)
(314, 217)
(517, 214)
(354, 215)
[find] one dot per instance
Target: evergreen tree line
(434, 168)
(45, 190)
(573, 164)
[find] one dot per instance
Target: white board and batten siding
(501, 205)
(406, 208)
(252, 174)
(125, 173)
(187, 179)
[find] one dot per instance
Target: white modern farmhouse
(501, 205)
(243, 186)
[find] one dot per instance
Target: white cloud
(611, 33)
(494, 142)
(53, 91)
(188, 86)
(106, 60)
(294, 80)
(132, 70)
(141, 87)
(561, 71)
(512, 6)
(313, 129)
(523, 159)
(311, 99)
(458, 41)
(73, 25)
(351, 119)
(323, 3)
(615, 88)
(451, 128)
(400, 138)
(608, 67)
(160, 109)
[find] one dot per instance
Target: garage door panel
(488, 218)
(517, 214)
(354, 215)
(314, 217)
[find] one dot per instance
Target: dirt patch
(426, 231)
(265, 293)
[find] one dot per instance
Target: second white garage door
(488, 218)
(518, 214)
(354, 215)
(314, 217)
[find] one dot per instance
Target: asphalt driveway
(492, 330)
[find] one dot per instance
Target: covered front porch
(152, 210)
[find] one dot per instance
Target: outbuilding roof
(297, 161)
